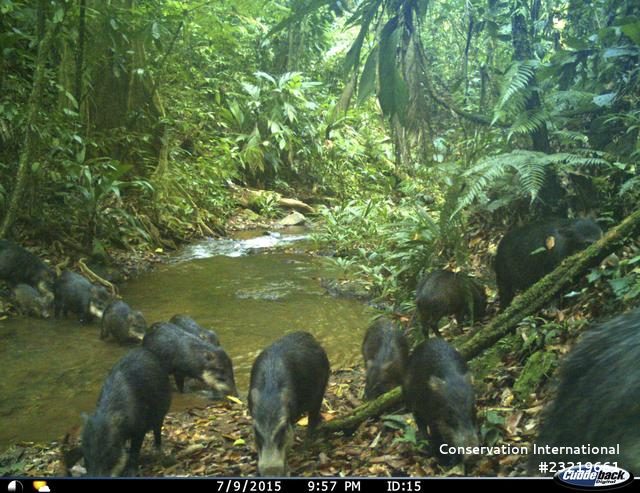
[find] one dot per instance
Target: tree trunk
(524, 305)
(551, 196)
(465, 64)
(522, 51)
(77, 89)
(31, 133)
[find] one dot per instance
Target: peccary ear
(286, 396)
(254, 395)
(468, 377)
(117, 420)
(386, 366)
(437, 384)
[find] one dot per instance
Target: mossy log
(373, 408)
(524, 305)
(248, 197)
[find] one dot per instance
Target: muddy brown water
(249, 292)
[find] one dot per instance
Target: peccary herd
(136, 394)
(289, 377)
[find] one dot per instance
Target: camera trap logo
(596, 476)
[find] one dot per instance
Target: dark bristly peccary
(437, 389)
(75, 294)
(31, 302)
(596, 398)
(20, 266)
(123, 323)
(528, 253)
(185, 355)
(385, 351)
(134, 399)
(188, 324)
(288, 379)
(442, 293)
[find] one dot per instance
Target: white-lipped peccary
(288, 379)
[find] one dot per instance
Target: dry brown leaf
(512, 422)
(378, 470)
(507, 397)
(190, 450)
(375, 441)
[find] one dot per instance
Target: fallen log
(295, 204)
(250, 198)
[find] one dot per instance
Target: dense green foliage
(122, 123)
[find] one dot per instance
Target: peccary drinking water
(385, 351)
(185, 355)
(19, 266)
(74, 293)
(288, 379)
(437, 389)
(596, 399)
(30, 302)
(528, 253)
(123, 323)
(443, 292)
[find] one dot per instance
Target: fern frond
(629, 185)
(528, 122)
(532, 175)
(570, 136)
(517, 80)
(576, 161)
(529, 167)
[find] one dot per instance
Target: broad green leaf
(353, 55)
(392, 92)
(632, 31)
(6, 6)
(253, 91)
(266, 76)
(368, 77)
(80, 155)
(275, 127)
(237, 113)
(58, 16)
